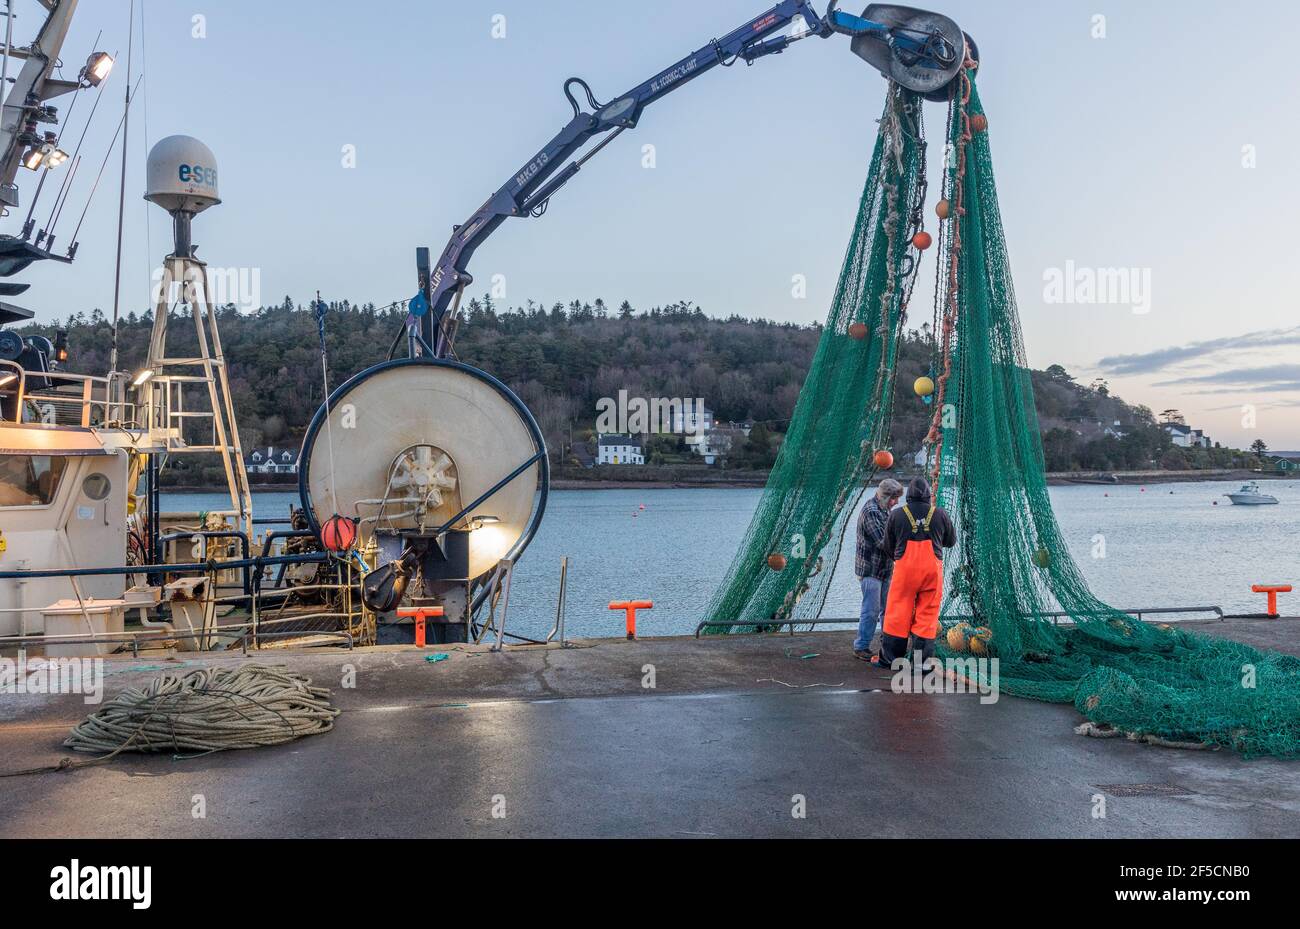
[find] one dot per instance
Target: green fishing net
(1011, 571)
(842, 414)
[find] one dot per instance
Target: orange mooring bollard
(420, 613)
(1272, 590)
(631, 606)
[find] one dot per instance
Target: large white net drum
(417, 446)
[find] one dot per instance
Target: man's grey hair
(889, 488)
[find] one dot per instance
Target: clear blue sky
(1115, 152)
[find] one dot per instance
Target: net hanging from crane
(1011, 567)
(843, 410)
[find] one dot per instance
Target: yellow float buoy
(923, 386)
(980, 639)
(959, 636)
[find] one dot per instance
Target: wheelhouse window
(30, 480)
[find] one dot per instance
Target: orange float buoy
(922, 240)
(941, 209)
(338, 534)
(883, 458)
(858, 331)
(776, 561)
(958, 637)
(979, 122)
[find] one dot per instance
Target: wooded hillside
(562, 359)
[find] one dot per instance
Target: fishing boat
(1249, 494)
(89, 563)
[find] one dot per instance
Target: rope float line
(933, 437)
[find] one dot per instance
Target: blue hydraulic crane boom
(920, 50)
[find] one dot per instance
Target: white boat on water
(1250, 495)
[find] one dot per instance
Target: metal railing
(90, 400)
(341, 611)
(67, 399)
(162, 636)
(560, 603)
(767, 625)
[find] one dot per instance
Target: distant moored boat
(1250, 495)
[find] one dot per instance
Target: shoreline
(1054, 479)
(1133, 478)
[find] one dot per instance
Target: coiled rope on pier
(205, 710)
(208, 710)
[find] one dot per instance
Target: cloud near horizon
(1278, 378)
(1161, 359)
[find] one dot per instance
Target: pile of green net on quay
(1011, 587)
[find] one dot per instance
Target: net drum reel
(918, 49)
(444, 470)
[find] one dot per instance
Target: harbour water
(1162, 545)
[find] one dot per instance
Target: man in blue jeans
(873, 564)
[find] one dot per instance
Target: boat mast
(9, 41)
(121, 194)
(24, 106)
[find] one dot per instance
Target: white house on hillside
(271, 460)
(717, 443)
(691, 419)
(619, 449)
(1187, 437)
(694, 422)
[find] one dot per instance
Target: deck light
(142, 377)
(479, 522)
(97, 67)
(7, 378)
(46, 155)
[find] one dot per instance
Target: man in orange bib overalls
(915, 536)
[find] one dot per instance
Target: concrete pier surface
(777, 735)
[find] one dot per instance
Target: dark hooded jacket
(898, 531)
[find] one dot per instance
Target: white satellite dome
(181, 175)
